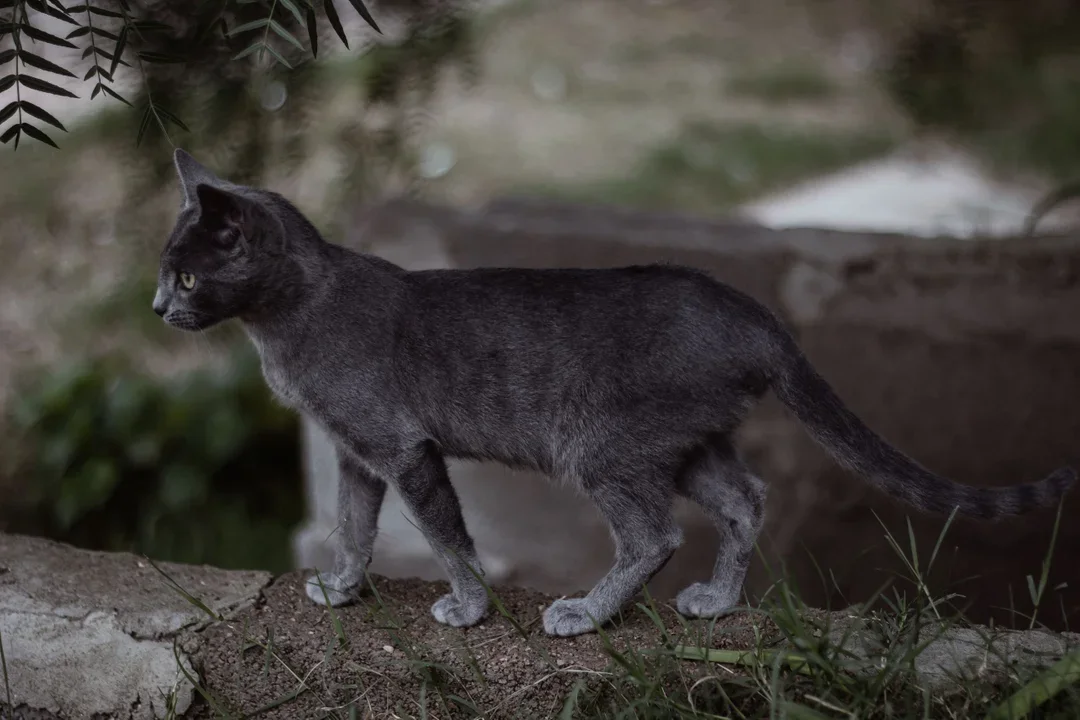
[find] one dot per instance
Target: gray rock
(949, 655)
(89, 634)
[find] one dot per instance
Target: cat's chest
(284, 380)
(282, 385)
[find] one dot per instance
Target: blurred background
(921, 117)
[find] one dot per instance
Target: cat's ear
(235, 217)
(191, 174)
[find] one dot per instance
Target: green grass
(801, 665)
(712, 168)
(784, 83)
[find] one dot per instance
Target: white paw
(702, 600)
(570, 617)
(448, 610)
(337, 591)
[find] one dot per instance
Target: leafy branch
(18, 24)
(112, 33)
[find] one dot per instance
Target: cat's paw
(338, 591)
(569, 617)
(704, 600)
(450, 611)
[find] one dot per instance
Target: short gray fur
(626, 383)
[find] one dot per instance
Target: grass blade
(571, 702)
(196, 602)
(3, 666)
(1045, 685)
(216, 706)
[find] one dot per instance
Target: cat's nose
(160, 304)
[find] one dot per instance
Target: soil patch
(396, 660)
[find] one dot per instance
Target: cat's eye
(187, 280)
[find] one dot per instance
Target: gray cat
(627, 383)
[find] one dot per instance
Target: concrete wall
(964, 354)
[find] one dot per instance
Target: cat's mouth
(189, 321)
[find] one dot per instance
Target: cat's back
(636, 295)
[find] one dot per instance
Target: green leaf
(108, 90)
(104, 33)
(47, 38)
(312, 31)
(41, 63)
(105, 13)
(254, 24)
(78, 32)
(33, 110)
(291, 7)
(173, 119)
(335, 21)
(143, 125)
(118, 52)
(39, 135)
(148, 26)
(156, 57)
(41, 7)
(7, 56)
(44, 86)
(96, 90)
(95, 50)
(248, 50)
(10, 133)
(278, 57)
(359, 5)
(6, 82)
(9, 110)
(276, 27)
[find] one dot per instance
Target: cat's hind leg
(734, 499)
(646, 535)
(360, 497)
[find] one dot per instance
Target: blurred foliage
(1001, 74)
(228, 98)
(782, 83)
(714, 167)
(203, 468)
(234, 80)
(121, 32)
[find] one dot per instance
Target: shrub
(201, 468)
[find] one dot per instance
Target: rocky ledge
(112, 635)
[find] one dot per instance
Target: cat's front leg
(424, 485)
(360, 497)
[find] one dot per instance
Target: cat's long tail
(858, 448)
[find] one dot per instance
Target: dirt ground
(398, 659)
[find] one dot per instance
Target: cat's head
(221, 255)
